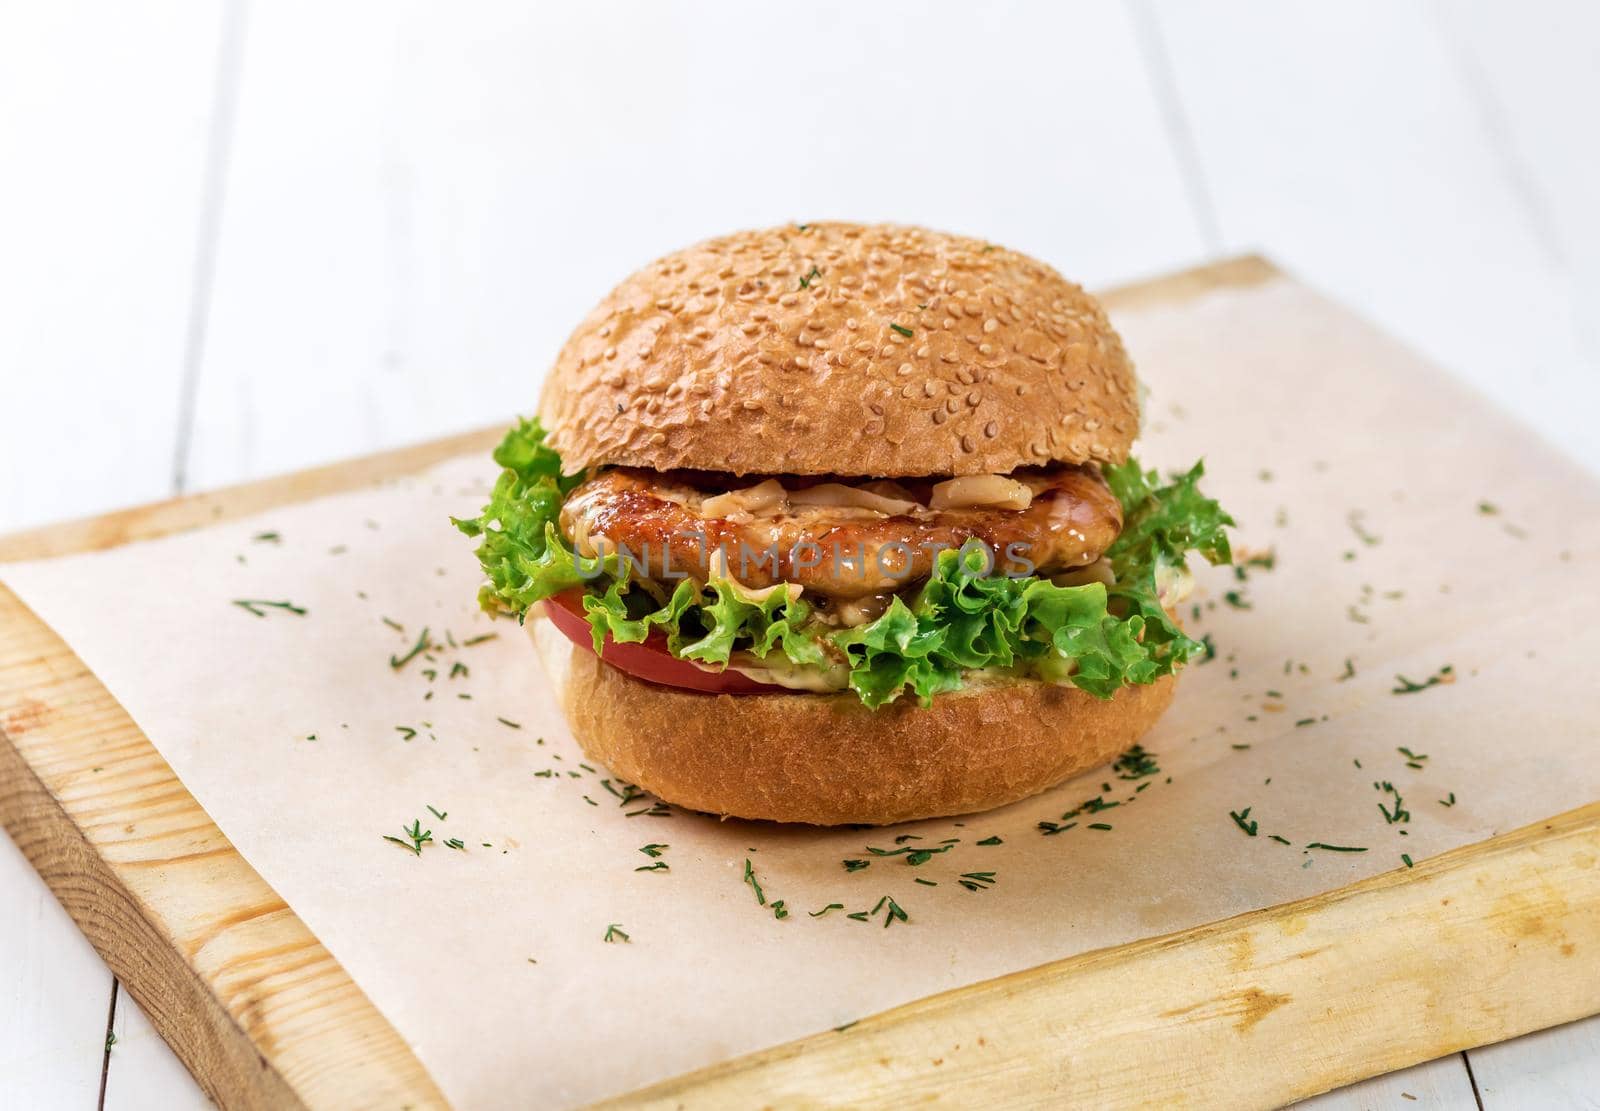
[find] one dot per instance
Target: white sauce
(779, 671)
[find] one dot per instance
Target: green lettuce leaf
(527, 560)
(707, 623)
(1160, 525)
(900, 649)
(523, 553)
(1168, 520)
(1097, 639)
(609, 613)
(962, 619)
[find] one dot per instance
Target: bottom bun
(826, 759)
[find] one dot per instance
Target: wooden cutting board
(1471, 947)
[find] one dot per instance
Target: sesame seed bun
(843, 349)
(825, 759)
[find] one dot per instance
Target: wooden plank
(433, 201)
(196, 510)
(262, 1014)
(1442, 1084)
(1559, 1067)
(1277, 1003)
(1525, 69)
(143, 1073)
(1372, 170)
(259, 1011)
(103, 127)
(103, 114)
(53, 1008)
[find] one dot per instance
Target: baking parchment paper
(1391, 524)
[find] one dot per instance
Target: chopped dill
(422, 645)
(1445, 674)
(755, 884)
(253, 605)
(977, 881)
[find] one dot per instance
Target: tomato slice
(650, 660)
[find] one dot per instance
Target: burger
(835, 523)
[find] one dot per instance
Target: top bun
(843, 349)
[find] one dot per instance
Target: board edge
(1522, 904)
(206, 991)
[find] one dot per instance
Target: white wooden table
(239, 241)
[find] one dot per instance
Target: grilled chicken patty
(839, 551)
